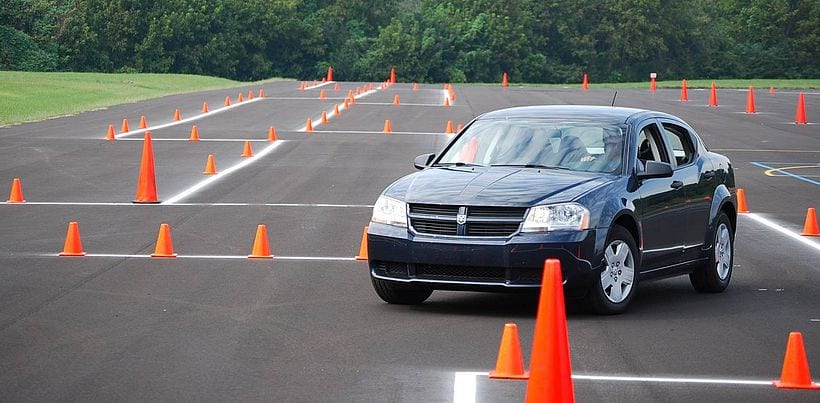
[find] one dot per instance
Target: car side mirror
(655, 169)
(423, 161)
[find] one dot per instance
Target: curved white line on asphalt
(190, 204)
(779, 228)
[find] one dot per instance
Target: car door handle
(677, 185)
(709, 175)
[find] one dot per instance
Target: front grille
(482, 221)
(446, 272)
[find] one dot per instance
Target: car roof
(586, 113)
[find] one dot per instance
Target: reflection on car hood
(500, 186)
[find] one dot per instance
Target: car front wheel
(619, 274)
(715, 274)
(400, 293)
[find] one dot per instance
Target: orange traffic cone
(393, 75)
(800, 116)
(261, 246)
(250, 94)
(324, 117)
(124, 128)
(458, 129)
(396, 100)
(302, 86)
(16, 194)
(177, 116)
(653, 86)
(336, 110)
(447, 102)
(358, 90)
(550, 368)
(449, 128)
(329, 75)
(795, 374)
(240, 98)
(315, 83)
(510, 363)
(309, 125)
(388, 128)
(271, 133)
(194, 134)
(247, 151)
(143, 123)
(810, 227)
(322, 94)
(261, 93)
(684, 92)
(750, 101)
(204, 107)
(210, 166)
(504, 81)
(147, 183)
(346, 104)
(713, 95)
(227, 101)
(585, 82)
(73, 246)
(771, 90)
(110, 135)
(336, 87)
(415, 86)
(741, 201)
(363, 246)
(165, 246)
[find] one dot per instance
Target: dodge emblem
(461, 219)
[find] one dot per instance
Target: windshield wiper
(531, 166)
(458, 164)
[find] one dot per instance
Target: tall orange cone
(388, 128)
(504, 81)
(240, 98)
(346, 104)
(16, 193)
(177, 116)
(336, 110)
(713, 95)
(73, 246)
(396, 99)
(194, 134)
(324, 117)
(800, 116)
(810, 227)
(750, 101)
(261, 246)
(550, 368)
(684, 91)
(795, 374)
(363, 246)
(771, 90)
(143, 123)
(585, 82)
(329, 73)
(227, 101)
(510, 363)
(393, 75)
(309, 125)
(322, 94)
(110, 135)
(147, 183)
(165, 245)
(125, 128)
(204, 107)
(261, 93)
(653, 85)
(210, 166)
(741, 201)
(449, 128)
(247, 151)
(271, 133)
(250, 94)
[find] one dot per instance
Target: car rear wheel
(401, 293)
(619, 274)
(714, 276)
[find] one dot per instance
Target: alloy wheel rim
(723, 252)
(618, 275)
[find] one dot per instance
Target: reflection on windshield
(580, 146)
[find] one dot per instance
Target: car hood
(499, 186)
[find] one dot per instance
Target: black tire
(401, 293)
(714, 275)
(614, 297)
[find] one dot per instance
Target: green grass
(761, 83)
(31, 96)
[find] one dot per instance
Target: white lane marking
(186, 120)
(814, 320)
(190, 204)
(464, 387)
(331, 113)
(200, 140)
(400, 104)
(373, 132)
(238, 257)
(223, 173)
(779, 228)
(749, 150)
(447, 97)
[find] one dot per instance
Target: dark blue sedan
(619, 195)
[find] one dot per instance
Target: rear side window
(680, 141)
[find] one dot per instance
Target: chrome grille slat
(482, 221)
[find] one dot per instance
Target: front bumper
(480, 263)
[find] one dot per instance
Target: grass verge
(30, 96)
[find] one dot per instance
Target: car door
(660, 203)
(698, 185)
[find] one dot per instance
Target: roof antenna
(613, 98)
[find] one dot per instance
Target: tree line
(535, 41)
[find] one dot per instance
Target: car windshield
(577, 146)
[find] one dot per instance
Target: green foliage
(553, 41)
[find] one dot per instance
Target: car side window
(650, 146)
(680, 141)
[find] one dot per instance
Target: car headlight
(390, 211)
(565, 216)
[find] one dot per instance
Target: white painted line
(237, 257)
(331, 113)
(186, 120)
(400, 104)
(190, 204)
(374, 132)
(201, 140)
(779, 228)
(464, 387)
(223, 173)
